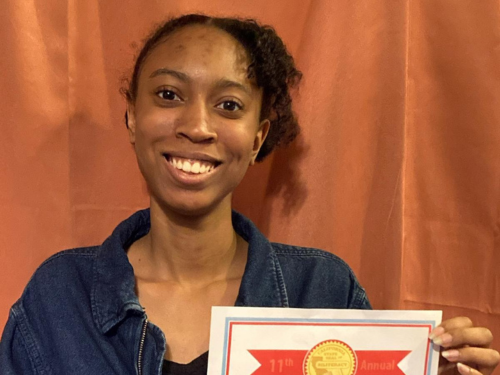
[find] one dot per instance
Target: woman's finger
(454, 323)
(457, 322)
(479, 357)
(466, 370)
(476, 336)
(450, 324)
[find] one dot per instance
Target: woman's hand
(465, 348)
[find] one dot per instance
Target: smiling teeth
(197, 167)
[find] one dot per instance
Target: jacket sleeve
(358, 298)
(362, 302)
(14, 357)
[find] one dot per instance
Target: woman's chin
(189, 207)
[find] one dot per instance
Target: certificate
(274, 341)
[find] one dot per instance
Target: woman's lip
(194, 156)
(188, 178)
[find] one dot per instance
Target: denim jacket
(79, 313)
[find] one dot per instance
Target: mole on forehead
(209, 42)
(205, 51)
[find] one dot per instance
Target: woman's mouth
(191, 166)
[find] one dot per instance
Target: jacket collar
(262, 284)
(113, 289)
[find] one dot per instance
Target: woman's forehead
(199, 49)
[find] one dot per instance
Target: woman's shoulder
(54, 276)
(312, 256)
(65, 263)
(318, 278)
(70, 255)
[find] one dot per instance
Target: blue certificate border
(432, 323)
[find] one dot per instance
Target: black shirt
(197, 366)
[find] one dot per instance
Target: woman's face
(195, 121)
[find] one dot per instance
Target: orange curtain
(396, 171)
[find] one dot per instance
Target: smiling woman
(196, 106)
(208, 98)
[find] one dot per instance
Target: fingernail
(436, 332)
(463, 369)
(444, 339)
(451, 355)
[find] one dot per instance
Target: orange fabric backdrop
(397, 170)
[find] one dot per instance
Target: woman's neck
(190, 251)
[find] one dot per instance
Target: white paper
(269, 341)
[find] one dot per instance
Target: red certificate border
(231, 324)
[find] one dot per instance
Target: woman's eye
(168, 95)
(229, 105)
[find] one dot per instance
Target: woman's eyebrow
(164, 71)
(226, 83)
(220, 84)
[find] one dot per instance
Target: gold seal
(330, 357)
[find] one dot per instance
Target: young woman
(208, 97)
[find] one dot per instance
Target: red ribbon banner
(291, 362)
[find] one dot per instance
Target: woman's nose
(195, 124)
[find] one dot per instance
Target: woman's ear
(130, 118)
(260, 137)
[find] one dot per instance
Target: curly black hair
(271, 66)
